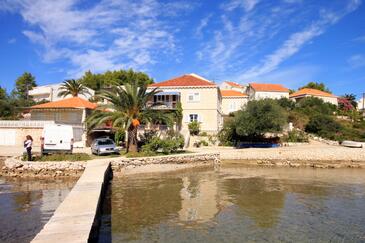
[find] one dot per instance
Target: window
(194, 97)
(193, 117)
(232, 107)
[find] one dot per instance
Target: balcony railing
(163, 105)
(24, 123)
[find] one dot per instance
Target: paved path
(8, 151)
(74, 218)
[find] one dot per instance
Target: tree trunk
(132, 139)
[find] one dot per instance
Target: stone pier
(74, 219)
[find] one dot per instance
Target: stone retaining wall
(17, 167)
(120, 163)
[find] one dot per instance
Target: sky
(290, 42)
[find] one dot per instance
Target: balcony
(165, 101)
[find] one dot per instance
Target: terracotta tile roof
(185, 80)
(232, 93)
(233, 84)
(313, 92)
(74, 102)
(269, 87)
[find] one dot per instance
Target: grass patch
(62, 157)
(151, 154)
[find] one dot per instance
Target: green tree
(73, 88)
(260, 117)
(6, 108)
(110, 78)
(23, 84)
(315, 85)
(313, 105)
(352, 99)
(92, 81)
(127, 108)
(324, 126)
(3, 95)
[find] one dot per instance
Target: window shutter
(200, 118)
(187, 118)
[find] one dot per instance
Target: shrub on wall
(194, 128)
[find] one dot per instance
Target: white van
(57, 139)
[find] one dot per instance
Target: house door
(7, 136)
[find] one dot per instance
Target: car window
(105, 142)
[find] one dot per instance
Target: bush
(119, 136)
(324, 126)
(167, 146)
(260, 117)
(204, 143)
(312, 106)
(194, 128)
(295, 137)
(227, 136)
(212, 139)
(63, 157)
(298, 119)
(203, 134)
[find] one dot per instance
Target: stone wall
(17, 167)
(119, 163)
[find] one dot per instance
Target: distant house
(200, 100)
(227, 85)
(361, 104)
(50, 93)
(257, 91)
(232, 101)
(307, 92)
(71, 111)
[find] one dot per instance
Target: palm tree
(126, 108)
(72, 87)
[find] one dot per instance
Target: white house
(257, 91)
(227, 85)
(307, 92)
(361, 104)
(232, 101)
(50, 93)
(200, 100)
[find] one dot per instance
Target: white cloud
(203, 24)
(247, 5)
(356, 61)
(360, 38)
(105, 35)
(11, 40)
(297, 40)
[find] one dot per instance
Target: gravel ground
(313, 151)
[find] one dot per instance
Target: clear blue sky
(283, 41)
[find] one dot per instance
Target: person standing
(28, 146)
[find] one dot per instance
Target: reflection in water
(257, 198)
(27, 204)
(240, 204)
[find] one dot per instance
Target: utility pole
(363, 103)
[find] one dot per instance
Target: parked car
(103, 146)
(57, 139)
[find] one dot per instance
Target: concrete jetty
(74, 219)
